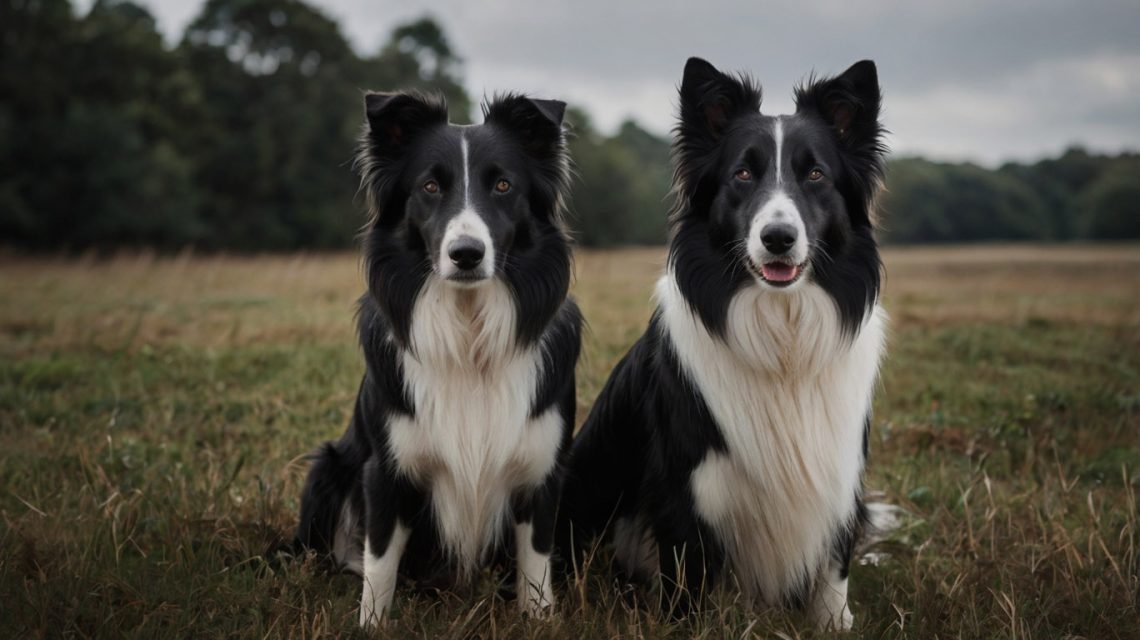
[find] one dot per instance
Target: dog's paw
(537, 605)
(369, 618)
(373, 613)
(842, 621)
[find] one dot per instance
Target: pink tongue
(779, 272)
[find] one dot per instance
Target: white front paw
(368, 617)
(536, 597)
(845, 620)
(371, 609)
(829, 607)
(536, 603)
(827, 621)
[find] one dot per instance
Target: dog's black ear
(849, 102)
(537, 123)
(710, 99)
(394, 119)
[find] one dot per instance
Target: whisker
(737, 248)
(820, 248)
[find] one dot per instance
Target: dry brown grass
(215, 301)
(226, 301)
(152, 412)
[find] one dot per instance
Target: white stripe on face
(467, 223)
(779, 208)
(466, 172)
(779, 132)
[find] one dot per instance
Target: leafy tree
(623, 181)
(1112, 203)
(1059, 182)
(241, 137)
(30, 37)
(419, 56)
(653, 180)
(280, 114)
(92, 150)
(933, 202)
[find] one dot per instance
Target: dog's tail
(332, 505)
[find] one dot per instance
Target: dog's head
(462, 198)
(783, 195)
(467, 205)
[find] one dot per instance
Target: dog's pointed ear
(395, 119)
(849, 102)
(710, 99)
(537, 123)
(553, 110)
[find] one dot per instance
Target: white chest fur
(471, 440)
(790, 395)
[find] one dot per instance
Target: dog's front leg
(534, 541)
(689, 559)
(829, 608)
(384, 540)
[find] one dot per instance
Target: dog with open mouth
(728, 445)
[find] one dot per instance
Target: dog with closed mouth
(728, 445)
(456, 443)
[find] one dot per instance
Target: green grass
(153, 415)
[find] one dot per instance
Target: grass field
(153, 415)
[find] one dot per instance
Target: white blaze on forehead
(779, 134)
(779, 208)
(467, 223)
(466, 172)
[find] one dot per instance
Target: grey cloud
(965, 79)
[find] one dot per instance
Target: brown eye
(431, 186)
(744, 175)
(815, 174)
(502, 186)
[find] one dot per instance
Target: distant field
(154, 411)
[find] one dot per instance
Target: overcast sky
(966, 79)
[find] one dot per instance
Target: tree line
(1077, 196)
(240, 138)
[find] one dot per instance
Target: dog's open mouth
(779, 273)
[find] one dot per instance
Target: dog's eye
(431, 186)
(502, 186)
(815, 174)
(744, 175)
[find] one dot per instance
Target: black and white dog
(728, 445)
(465, 413)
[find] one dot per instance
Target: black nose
(778, 238)
(466, 252)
